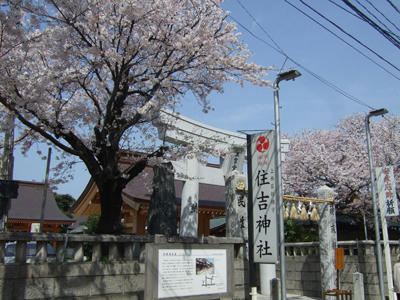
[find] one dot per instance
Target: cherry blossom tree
(338, 158)
(89, 76)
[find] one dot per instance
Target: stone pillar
(236, 205)
(267, 275)
(236, 201)
(358, 286)
(163, 211)
(327, 239)
(6, 168)
(275, 289)
(190, 200)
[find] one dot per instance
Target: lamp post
(289, 75)
(375, 113)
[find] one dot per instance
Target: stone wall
(363, 260)
(119, 276)
(95, 281)
(303, 276)
(83, 280)
(303, 268)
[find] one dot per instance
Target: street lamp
(375, 113)
(289, 75)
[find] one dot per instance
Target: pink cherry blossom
(339, 158)
(89, 76)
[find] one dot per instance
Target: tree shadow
(189, 218)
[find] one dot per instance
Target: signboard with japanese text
(386, 189)
(189, 271)
(263, 221)
(199, 272)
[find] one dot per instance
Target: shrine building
(25, 211)
(136, 199)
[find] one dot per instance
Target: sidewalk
(289, 297)
(295, 297)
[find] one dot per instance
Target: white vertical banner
(264, 225)
(388, 206)
(386, 189)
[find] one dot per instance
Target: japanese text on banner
(386, 187)
(263, 183)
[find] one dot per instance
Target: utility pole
(289, 75)
(44, 197)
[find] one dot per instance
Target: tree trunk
(111, 203)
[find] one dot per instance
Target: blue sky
(306, 103)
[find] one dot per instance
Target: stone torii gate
(176, 128)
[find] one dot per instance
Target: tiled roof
(28, 205)
(140, 188)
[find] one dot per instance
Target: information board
(193, 271)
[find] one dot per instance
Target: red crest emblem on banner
(262, 144)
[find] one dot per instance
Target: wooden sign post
(339, 263)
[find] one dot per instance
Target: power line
(258, 24)
(345, 9)
(386, 18)
(333, 86)
(277, 49)
(344, 41)
(375, 17)
(284, 62)
(394, 6)
(384, 33)
(371, 13)
(376, 9)
(255, 36)
(346, 33)
(280, 51)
